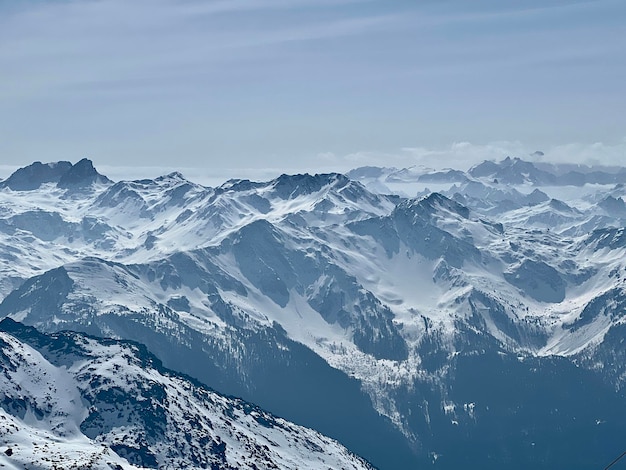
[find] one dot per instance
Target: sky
(262, 87)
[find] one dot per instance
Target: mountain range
(420, 318)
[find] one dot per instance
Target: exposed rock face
(418, 331)
(81, 175)
(111, 404)
(33, 176)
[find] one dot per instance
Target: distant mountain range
(511, 171)
(422, 318)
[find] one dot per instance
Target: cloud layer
(463, 155)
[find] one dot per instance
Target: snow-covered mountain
(81, 402)
(470, 325)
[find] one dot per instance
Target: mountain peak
(291, 186)
(435, 202)
(80, 175)
(486, 168)
(173, 176)
(34, 175)
(512, 171)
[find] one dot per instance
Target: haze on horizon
(310, 85)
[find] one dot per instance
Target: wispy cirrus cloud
(267, 82)
(199, 7)
(89, 43)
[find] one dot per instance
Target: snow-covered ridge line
(75, 400)
(306, 277)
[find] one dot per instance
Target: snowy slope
(316, 281)
(78, 402)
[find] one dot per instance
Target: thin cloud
(270, 81)
(231, 6)
(79, 44)
(522, 11)
(459, 155)
(597, 153)
(463, 155)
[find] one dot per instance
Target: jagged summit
(512, 171)
(81, 175)
(486, 168)
(34, 175)
(174, 177)
(366, 316)
(518, 171)
(63, 173)
(292, 186)
(614, 206)
(433, 203)
(561, 206)
(367, 172)
(236, 184)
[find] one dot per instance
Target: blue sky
(293, 85)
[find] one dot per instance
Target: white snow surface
(141, 222)
(58, 399)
